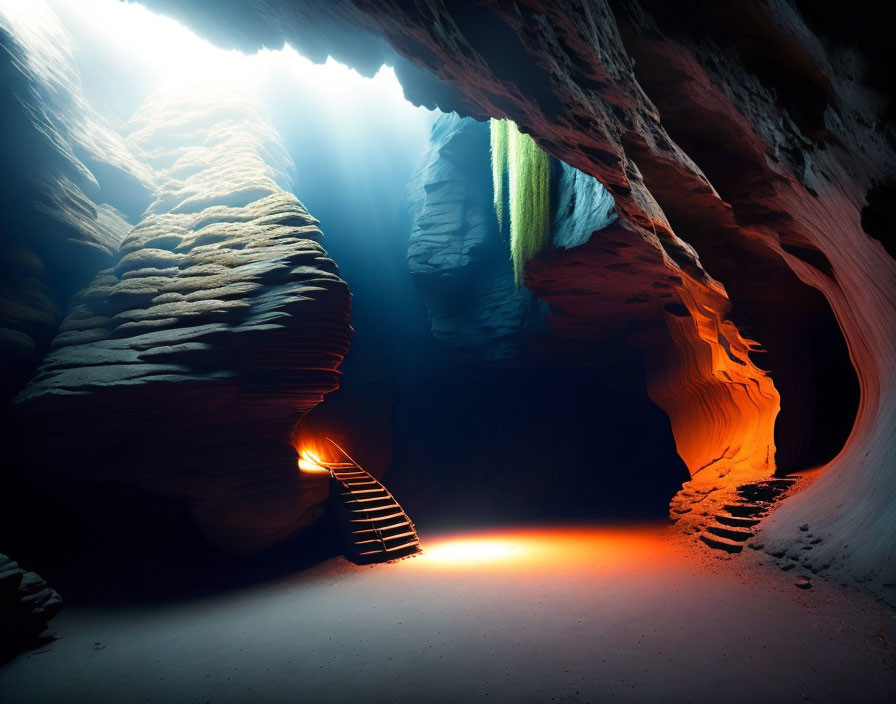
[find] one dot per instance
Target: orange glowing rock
(310, 461)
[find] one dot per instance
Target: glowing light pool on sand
(592, 549)
(471, 550)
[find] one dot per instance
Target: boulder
(26, 606)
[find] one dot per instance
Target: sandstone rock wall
(183, 368)
(797, 140)
(70, 186)
(785, 141)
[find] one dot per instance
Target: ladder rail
(334, 468)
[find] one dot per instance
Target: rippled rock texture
(70, 186)
(183, 368)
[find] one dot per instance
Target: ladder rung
(375, 518)
(412, 544)
(394, 525)
(384, 497)
(375, 508)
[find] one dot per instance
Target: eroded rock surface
(70, 186)
(730, 134)
(182, 368)
(26, 606)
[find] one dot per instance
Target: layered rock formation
(456, 256)
(70, 185)
(732, 132)
(183, 368)
(565, 77)
(783, 162)
(527, 420)
(26, 606)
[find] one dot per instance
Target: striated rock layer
(70, 186)
(182, 369)
(564, 76)
(764, 137)
(731, 132)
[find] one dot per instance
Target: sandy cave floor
(562, 614)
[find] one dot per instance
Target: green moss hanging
(529, 185)
(499, 168)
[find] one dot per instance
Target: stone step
(352, 491)
(739, 534)
(383, 533)
(768, 490)
(365, 499)
(392, 550)
(738, 521)
(781, 481)
(720, 543)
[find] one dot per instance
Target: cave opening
(476, 351)
(456, 385)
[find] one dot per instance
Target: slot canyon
(446, 350)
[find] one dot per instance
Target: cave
(468, 351)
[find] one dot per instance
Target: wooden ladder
(374, 525)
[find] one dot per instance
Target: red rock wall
(740, 124)
(563, 74)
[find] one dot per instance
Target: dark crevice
(777, 58)
(877, 215)
(812, 256)
(500, 46)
